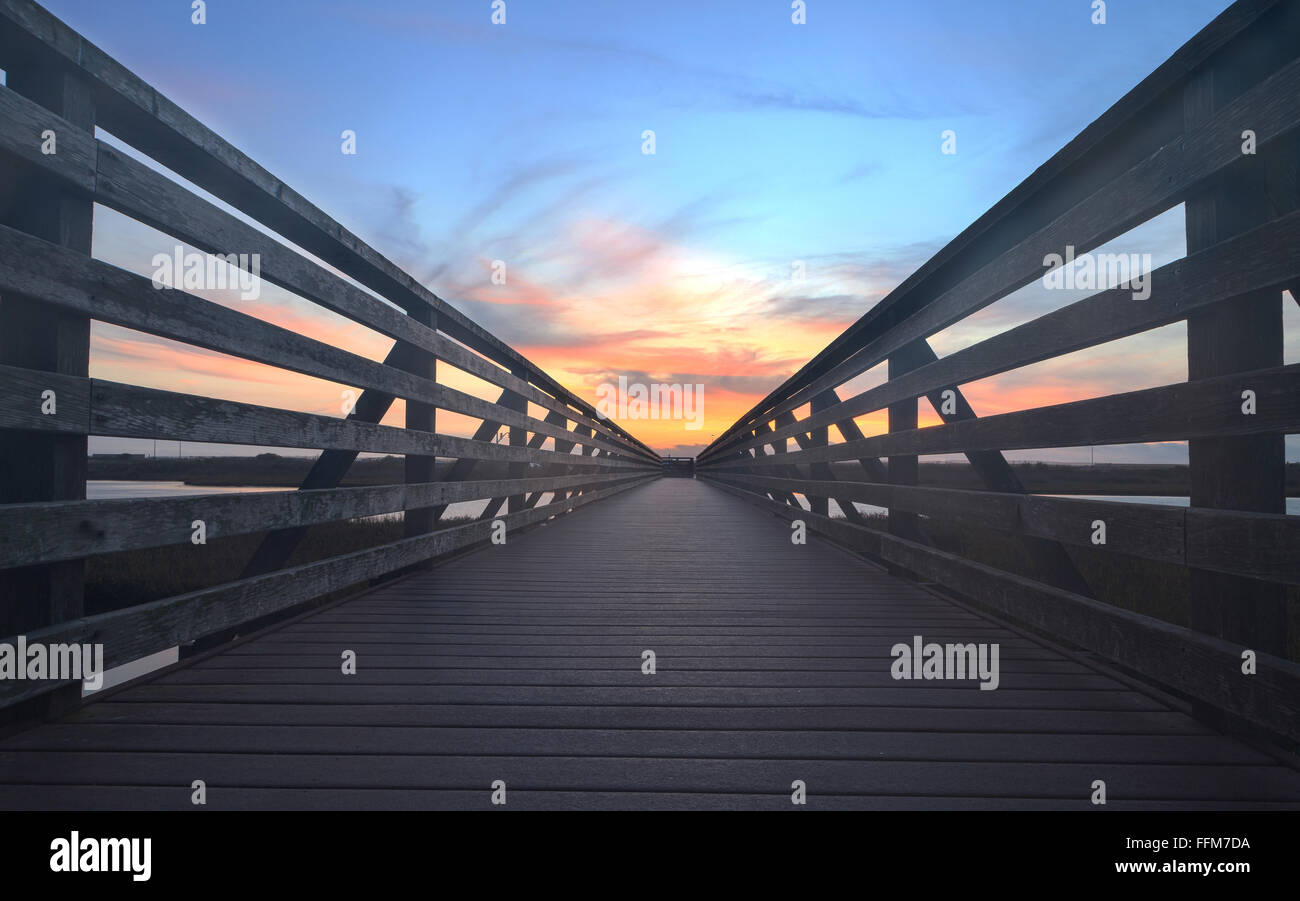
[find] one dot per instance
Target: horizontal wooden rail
(50, 407)
(1207, 407)
(66, 530)
(1272, 109)
(1256, 545)
(159, 625)
(111, 409)
(137, 114)
(1200, 665)
(1217, 130)
(1257, 260)
(106, 293)
(1142, 122)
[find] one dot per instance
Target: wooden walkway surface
(523, 664)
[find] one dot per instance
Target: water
(103, 489)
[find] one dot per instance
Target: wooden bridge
(667, 645)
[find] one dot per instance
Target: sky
(777, 147)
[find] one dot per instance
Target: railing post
(518, 438)
(818, 437)
(903, 470)
(36, 335)
(1237, 335)
(423, 417)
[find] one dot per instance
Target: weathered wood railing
(1179, 137)
(59, 87)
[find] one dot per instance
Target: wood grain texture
(772, 664)
(1201, 408)
(134, 632)
(1259, 259)
(132, 188)
(75, 282)
(135, 112)
(1258, 545)
(1198, 665)
(1129, 164)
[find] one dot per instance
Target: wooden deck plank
(616, 678)
(607, 663)
(583, 742)
(916, 719)
(101, 797)
(1020, 779)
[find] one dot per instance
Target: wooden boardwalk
(523, 664)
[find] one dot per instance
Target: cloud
(861, 171)
(684, 85)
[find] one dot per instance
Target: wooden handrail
(1177, 138)
(560, 460)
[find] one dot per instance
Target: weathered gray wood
(327, 471)
(1202, 408)
(119, 797)
(129, 411)
(21, 391)
(450, 446)
(1255, 545)
(518, 697)
(637, 773)
(1207, 668)
(1198, 665)
(464, 466)
(839, 745)
(24, 122)
(75, 282)
(923, 719)
(133, 188)
(147, 628)
(147, 195)
(49, 465)
(1117, 164)
(1240, 334)
(65, 530)
(420, 468)
(136, 112)
(903, 417)
(132, 412)
(1249, 262)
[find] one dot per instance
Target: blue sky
(775, 142)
